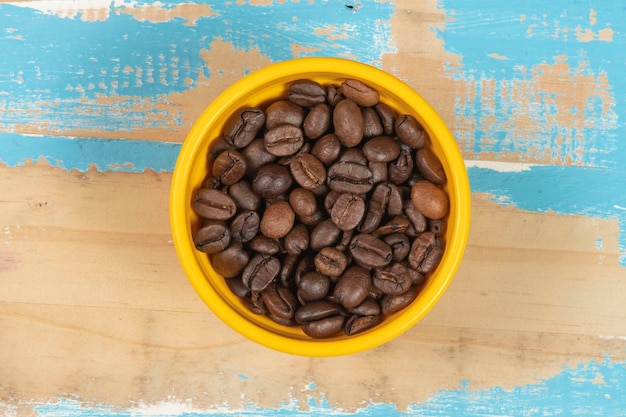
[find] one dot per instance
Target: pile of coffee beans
(323, 209)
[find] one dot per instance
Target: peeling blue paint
(83, 54)
(44, 78)
(593, 192)
(84, 153)
(586, 174)
(529, 37)
(594, 388)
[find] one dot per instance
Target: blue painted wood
(508, 47)
(499, 45)
(592, 389)
(69, 74)
(140, 62)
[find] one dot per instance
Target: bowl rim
(340, 68)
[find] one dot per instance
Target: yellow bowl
(257, 89)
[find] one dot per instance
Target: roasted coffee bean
(380, 172)
(271, 181)
(372, 218)
(287, 273)
(307, 171)
(212, 237)
(372, 125)
(395, 204)
(349, 177)
(212, 182)
(387, 118)
(229, 167)
(305, 264)
(398, 224)
(317, 310)
(344, 243)
(236, 287)
(348, 123)
(297, 240)
(417, 218)
(432, 259)
(413, 178)
(283, 140)
(334, 95)
(260, 272)
(321, 191)
(386, 199)
(399, 244)
(256, 304)
(325, 233)
(214, 204)
(277, 220)
(243, 195)
(314, 219)
(435, 226)
(280, 301)
(281, 112)
(331, 262)
(401, 169)
(231, 261)
(381, 149)
(368, 307)
(348, 211)
(381, 195)
(257, 156)
(321, 329)
(361, 93)
(306, 93)
(410, 232)
(375, 293)
(429, 199)
(389, 197)
(394, 279)
(355, 239)
(390, 304)
(264, 245)
(329, 200)
(245, 226)
(327, 149)
(417, 278)
(280, 320)
(353, 286)
(353, 155)
(429, 166)
(218, 146)
(370, 251)
(243, 126)
(286, 160)
(317, 121)
(425, 253)
(313, 286)
(410, 131)
(302, 202)
(357, 324)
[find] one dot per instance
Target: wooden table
(96, 314)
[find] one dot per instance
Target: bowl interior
(258, 89)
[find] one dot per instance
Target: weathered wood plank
(96, 315)
(96, 300)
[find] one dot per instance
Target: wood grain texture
(96, 315)
(94, 305)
